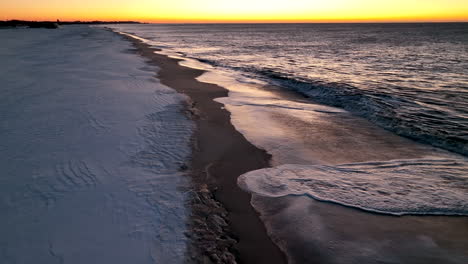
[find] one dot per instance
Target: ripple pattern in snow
(91, 150)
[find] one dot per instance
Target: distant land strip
(55, 24)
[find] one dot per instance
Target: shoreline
(225, 226)
(338, 231)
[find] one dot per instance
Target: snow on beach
(90, 152)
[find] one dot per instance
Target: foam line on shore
(399, 187)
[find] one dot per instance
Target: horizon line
(142, 21)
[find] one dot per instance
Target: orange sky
(237, 10)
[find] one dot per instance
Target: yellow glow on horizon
(238, 10)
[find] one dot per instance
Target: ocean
(411, 79)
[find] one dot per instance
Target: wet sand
(220, 155)
(334, 233)
(347, 235)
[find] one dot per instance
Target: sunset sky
(237, 10)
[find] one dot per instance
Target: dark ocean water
(411, 79)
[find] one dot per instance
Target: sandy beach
(220, 155)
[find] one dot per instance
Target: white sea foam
(418, 186)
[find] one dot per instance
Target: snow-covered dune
(91, 147)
